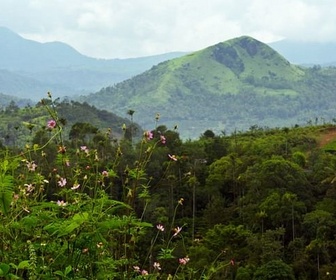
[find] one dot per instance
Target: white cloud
(129, 28)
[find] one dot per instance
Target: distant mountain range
(235, 84)
(29, 69)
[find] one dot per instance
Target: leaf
(4, 269)
(5, 200)
(6, 189)
(23, 265)
(81, 217)
(68, 269)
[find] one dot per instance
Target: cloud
(129, 28)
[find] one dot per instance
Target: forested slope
(258, 204)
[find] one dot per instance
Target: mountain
(232, 85)
(307, 53)
(57, 67)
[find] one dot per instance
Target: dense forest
(83, 204)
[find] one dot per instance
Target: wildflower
(184, 261)
(75, 186)
(180, 202)
(148, 134)
(144, 272)
(85, 250)
(83, 148)
(51, 124)
(105, 173)
(157, 266)
(100, 244)
(163, 139)
(172, 157)
(136, 268)
(232, 262)
(31, 166)
(30, 187)
(177, 230)
(62, 149)
(61, 203)
(62, 182)
(67, 163)
(160, 227)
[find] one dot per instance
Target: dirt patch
(327, 137)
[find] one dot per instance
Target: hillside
(57, 67)
(232, 85)
(19, 125)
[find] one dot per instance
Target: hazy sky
(133, 28)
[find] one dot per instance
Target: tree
(274, 270)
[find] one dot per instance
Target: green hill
(18, 126)
(232, 85)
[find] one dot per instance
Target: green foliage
(274, 270)
(253, 205)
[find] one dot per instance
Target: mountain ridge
(58, 67)
(190, 90)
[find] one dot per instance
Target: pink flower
(51, 124)
(184, 261)
(62, 182)
(61, 203)
(31, 166)
(144, 272)
(105, 173)
(136, 268)
(172, 157)
(157, 266)
(163, 139)
(148, 134)
(160, 227)
(30, 187)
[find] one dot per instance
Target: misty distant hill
(40, 67)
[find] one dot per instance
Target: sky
(135, 28)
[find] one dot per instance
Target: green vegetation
(258, 204)
(20, 125)
(229, 86)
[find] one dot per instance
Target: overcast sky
(133, 28)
